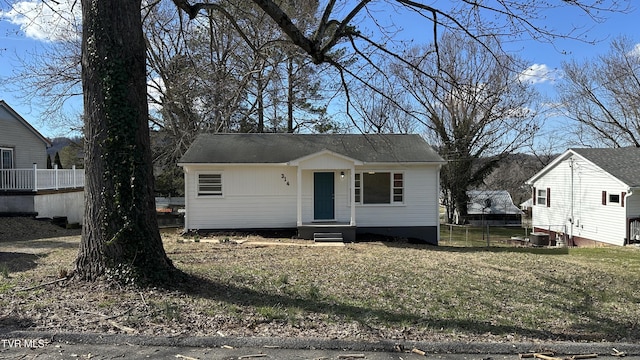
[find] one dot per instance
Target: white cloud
(537, 73)
(46, 20)
(155, 88)
(636, 50)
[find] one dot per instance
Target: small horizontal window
(614, 198)
(210, 184)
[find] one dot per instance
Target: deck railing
(35, 179)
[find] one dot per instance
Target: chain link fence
(483, 236)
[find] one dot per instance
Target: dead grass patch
(366, 291)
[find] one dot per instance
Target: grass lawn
(390, 290)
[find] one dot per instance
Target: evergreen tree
(57, 161)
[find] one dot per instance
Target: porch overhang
(322, 161)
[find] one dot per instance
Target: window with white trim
(6, 158)
(398, 187)
(358, 187)
(210, 184)
(379, 188)
(542, 197)
(614, 198)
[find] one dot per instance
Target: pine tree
(57, 161)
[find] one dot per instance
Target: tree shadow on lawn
(476, 249)
(598, 326)
(17, 261)
(368, 317)
(44, 245)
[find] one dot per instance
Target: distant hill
(70, 150)
(60, 143)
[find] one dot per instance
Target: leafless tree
(120, 234)
(602, 96)
(50, 77)
(475, 109)
(383, 106)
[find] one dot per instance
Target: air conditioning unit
(539, 239)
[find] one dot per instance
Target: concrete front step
(328, 237)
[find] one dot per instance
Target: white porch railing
(41, 179)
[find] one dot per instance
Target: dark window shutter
(622, 198)
(604, 198)
(534, 196)
(548, 197)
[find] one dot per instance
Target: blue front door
(323, 196)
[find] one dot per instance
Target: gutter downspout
(572, 214)
(626, 213)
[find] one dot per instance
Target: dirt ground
(20, 229)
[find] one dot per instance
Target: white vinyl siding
(420, 206)
(265, 196)
(585, 216)
(27, 147)
(254, 196)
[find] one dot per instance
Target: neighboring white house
(21, 145)
(492, 207)
(27, 187)
(348, 183)
(589, 196)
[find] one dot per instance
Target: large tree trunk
(120, 237)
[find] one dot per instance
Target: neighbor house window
(210, 184)
(6, 158)
(379, 188)
(614, 198)
(542, 197)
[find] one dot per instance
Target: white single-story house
(589, 196)
(492, 207)
(315, 183)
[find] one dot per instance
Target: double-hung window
(379, 188)
(210, 184)
(6, 158)
(542, 197)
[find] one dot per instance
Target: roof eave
(296, 162)
(551, 165)
(25, 123)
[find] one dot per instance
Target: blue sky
(20, 36)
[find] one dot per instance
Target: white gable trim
(24, 122)
(567, 154)
(550, 166)
(296, 162)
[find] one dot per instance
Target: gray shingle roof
(501, 202)
(622, 163)
(282, 148)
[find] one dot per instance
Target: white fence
(41, 179)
